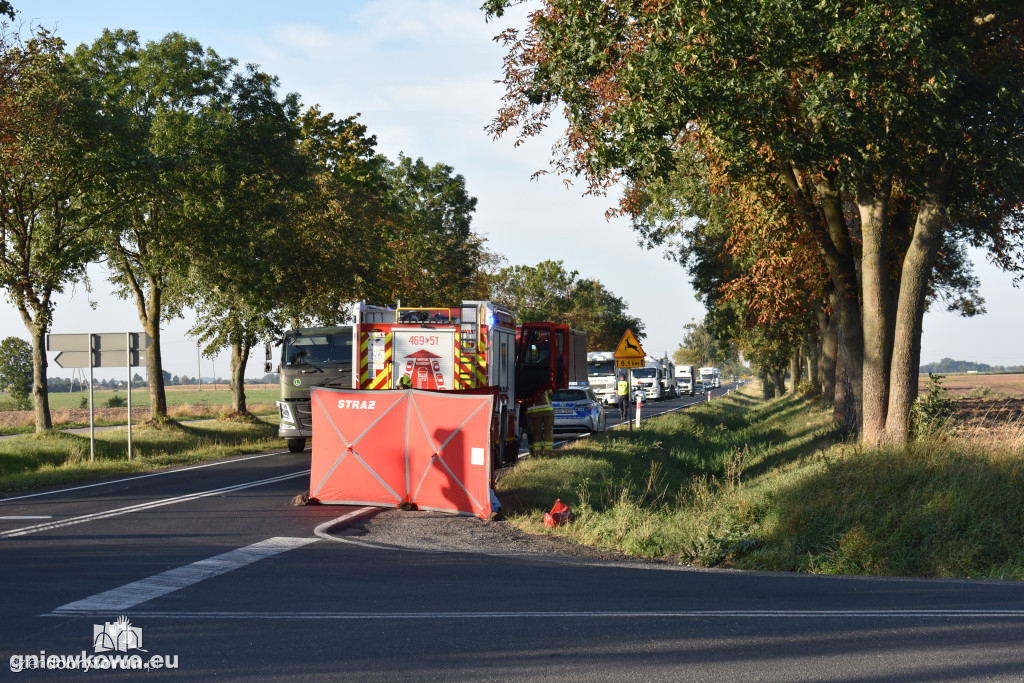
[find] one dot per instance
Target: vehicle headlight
(286, 412)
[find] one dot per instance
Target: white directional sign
(100, 359)
(107, 350)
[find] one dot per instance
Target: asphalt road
(216, 567)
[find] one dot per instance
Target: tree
(340, 223)
(48, 163)
(429, 251)
(699, 346)
(16, 370)
(164, 100)
(887, 126)
(236, 272)
(548, 292)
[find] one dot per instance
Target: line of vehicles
(657, 380)
(476, 345)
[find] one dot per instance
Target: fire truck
(473, 346)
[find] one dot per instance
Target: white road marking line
(14, 517)
(137, 592)
(24, 531)
(685, 614)
(141, 476)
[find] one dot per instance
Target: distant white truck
(601, 376)
(712, 377)
(668, 378)
(649, 379)
(685, 375)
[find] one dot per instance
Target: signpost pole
(629, 395)
(92, 425)
(128, 364)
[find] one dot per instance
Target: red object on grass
(559, 514)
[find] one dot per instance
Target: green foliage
(16, 371)
(117, 401)
(935, 408)
(429, 251)
(549, 292)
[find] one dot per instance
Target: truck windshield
(601, 367)
(645, 373)
(317, 350)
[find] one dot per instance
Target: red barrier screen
(385, 448)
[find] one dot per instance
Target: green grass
(208, 396)
(773, 486)
(59, 458)
(180, 403)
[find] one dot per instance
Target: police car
(578, 409)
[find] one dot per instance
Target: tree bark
(876, 310)
(40, 395)
(828, 329)
(239, 359)
(779, 380)
(795, 365)
(917, 269)
(37, 328)
(154, 360)
(813, 361)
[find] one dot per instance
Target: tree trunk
(917, 270)
(876, 310)
(40, 395)
(154, 362)
(795, 365)
(828, 329)
(239, 358)
(779, 380)
(37, 328)
(813, 361)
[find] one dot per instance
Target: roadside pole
(128, 364)
(629, 396)
(92, 422)
(639, 407)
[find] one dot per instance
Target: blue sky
(421, 74)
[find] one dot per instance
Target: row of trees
(948, 365)
(819, 166)
(200, 186)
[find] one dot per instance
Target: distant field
(979, 385)
(213, 395)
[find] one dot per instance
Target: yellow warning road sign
(629, 347)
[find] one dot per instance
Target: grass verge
(740, 482)
(59, 458)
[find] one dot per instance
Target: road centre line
(67, 610)
(36, 528)
(137, 592)
(141, 476)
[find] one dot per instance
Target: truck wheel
(297, 444)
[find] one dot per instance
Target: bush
(117, 401)
(935, 409)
